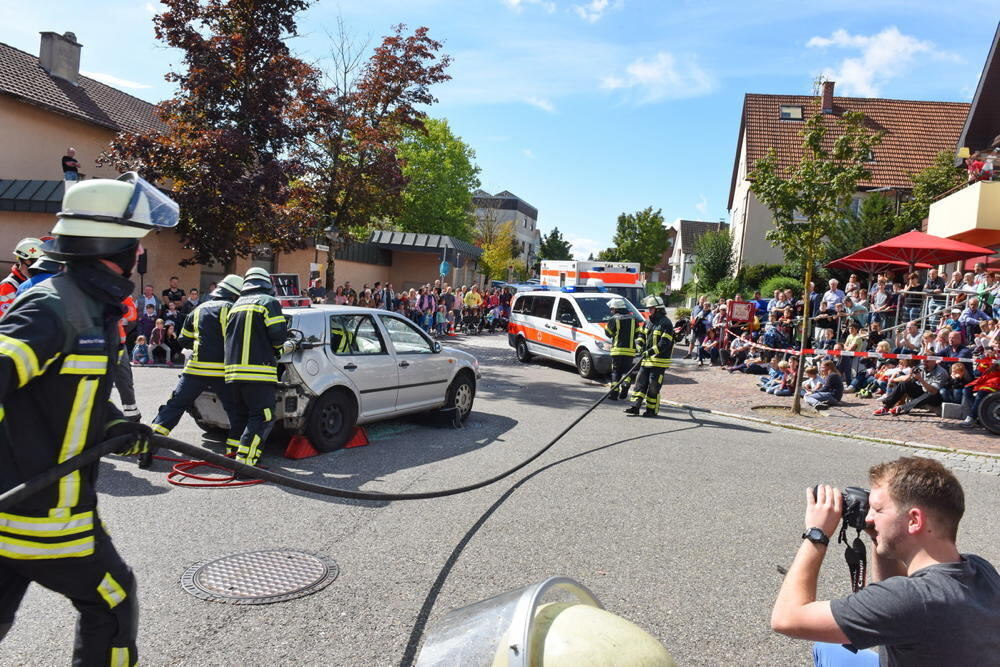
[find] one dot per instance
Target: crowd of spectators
(155, 338)
(919, 315)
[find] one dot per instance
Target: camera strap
(856, 557)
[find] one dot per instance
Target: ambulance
(621, 278)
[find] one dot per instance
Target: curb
(820, 431)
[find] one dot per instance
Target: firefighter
(655, 344)
(26, 252)
(58, 347)
(205, 331)
(40, 270)
(621, 329)
(255, 338)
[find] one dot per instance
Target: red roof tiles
(92, 101)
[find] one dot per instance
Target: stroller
(681, 330)
(495, 320)
(472, 320)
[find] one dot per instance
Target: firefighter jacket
(129, 319)
(8, 289)
(255, 331)
(58, 346)
(655, 341)
(205, 331)
(621, 329)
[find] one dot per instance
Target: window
(523, 305)
(565, 313)
(542, 307)
(355, 335)
(405, 337)
(791, 112)
(595, 308)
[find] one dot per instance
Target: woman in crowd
(852, 284)
(831, 390)
(880, 303)
(339, 298)
(709, 348)
(173, 344)
(912, 295)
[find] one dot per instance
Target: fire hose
(92, 454)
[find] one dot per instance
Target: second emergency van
(565, 326)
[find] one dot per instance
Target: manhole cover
(259, 577)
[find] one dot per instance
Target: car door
(356, 345)
(566, 323)
(541, 331)
(423, 373)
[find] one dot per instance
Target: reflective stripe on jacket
(621, 330)
(657, 342)
(255, 330)
(205, 331)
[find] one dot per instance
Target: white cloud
(541, 103)
(593, 11)
(702, 206)
(660, 77)
(883, 56)
(115, 81)
(528, 153)
(519, 5)
(150, 7)
(582, 248)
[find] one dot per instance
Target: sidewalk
(712, 388)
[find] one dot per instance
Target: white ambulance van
(566, 326)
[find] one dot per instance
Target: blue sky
(588, 108)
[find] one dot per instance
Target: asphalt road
(677, 523)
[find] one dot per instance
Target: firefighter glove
(138, 444)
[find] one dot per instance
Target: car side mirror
(567, 318)
(436, 347)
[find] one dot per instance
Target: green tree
(496, 239)
(873, 223)
(554, 246)
(928, 185)
(441, 174)
(808, 201)
(639, 237)
(713, 257)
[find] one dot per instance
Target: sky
(587, 109)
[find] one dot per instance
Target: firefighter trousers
(188, 389)
(253, 409)
(647, 388)
(125, 384)
(620, 367)
(101, 587)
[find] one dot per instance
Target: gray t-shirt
(945, 614)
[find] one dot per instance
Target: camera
(855, 506)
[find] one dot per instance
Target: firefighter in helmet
(58, 347)
(256, 335)
(40, 270)
(26, 252)
(621, 329)
(204, 330)
(655, 344)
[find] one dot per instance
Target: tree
(355, 126)
(809, 200)
(496, 239)
(440, 175)
(928, 185)
(872, 223)
(554, 246)
(224, 153)
(713, 252)
(639, 237)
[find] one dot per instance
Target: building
(914, 133)
(686, 234)
(506, 207)
(972, 214)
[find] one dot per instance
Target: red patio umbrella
(917, 247)
(851, 263)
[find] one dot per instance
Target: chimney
(59, 55)
(828, 96)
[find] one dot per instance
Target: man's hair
(924, 483)
(174, 278)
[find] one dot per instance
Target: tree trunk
(804, 342)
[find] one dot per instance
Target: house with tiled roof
(914, 132)
(686, 234)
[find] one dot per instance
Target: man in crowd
(832, 296)
(173, 293)
(909, 340)
(923, 387)
(148, 298)
(956, 349)
(70, 167)
(26, 252)
(191, 303)
(972, 316)
(928, 603)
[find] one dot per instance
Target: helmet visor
(162, 210)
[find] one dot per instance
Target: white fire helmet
(28, 249)
(653, 301)
(617, 303)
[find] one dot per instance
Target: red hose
(181, 473)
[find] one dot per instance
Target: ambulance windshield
(595, 308)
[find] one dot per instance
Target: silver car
(354, 366)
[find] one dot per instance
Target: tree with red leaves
(225, 154)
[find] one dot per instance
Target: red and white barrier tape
(864, 355)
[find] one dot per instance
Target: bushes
(682, 314)
(782, 283)
(750, 278)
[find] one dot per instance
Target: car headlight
(601, 345)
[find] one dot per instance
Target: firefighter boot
(647, 413)
(633, 410)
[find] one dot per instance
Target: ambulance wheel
(521, 349)
(331, 420)
(989, 413)
(585, 364)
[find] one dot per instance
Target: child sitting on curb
(140, 353)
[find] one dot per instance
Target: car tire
(585, 364)
(461, 395)
(331, 420)
(989, 413)
(521, 349)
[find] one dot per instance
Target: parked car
(355, 366)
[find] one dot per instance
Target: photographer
(923, 386)
(927, 603)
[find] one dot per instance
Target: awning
(31, 196)
(456, 249)
(917, 247)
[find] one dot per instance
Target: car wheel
(521, 348)
(461, 395)
(989, 413)
(585, 364)
(331, 420)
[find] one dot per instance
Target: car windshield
(595, 308)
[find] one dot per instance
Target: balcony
(971, 214)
